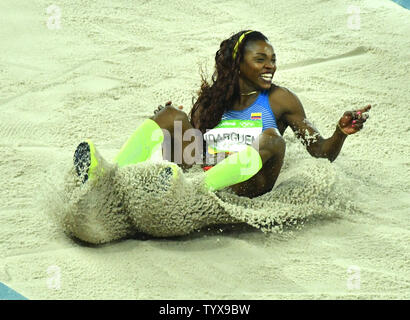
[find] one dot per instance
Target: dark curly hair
(215, 98)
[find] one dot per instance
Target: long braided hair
(216, 97)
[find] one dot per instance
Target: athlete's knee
(175, 114)
(177, 118)
(168, 117)
(272, 142)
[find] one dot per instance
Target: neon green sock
(236, 168)
(93, 169)
(140, 146)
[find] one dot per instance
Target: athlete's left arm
(318, 147)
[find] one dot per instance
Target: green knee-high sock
(140, 146)
(236, 168)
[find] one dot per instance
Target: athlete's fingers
(362, 119)
(160, 107)
(365, 109)
(357, 126)
(358, 114)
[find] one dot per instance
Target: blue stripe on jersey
(261, 105)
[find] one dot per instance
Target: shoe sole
(85, 161)
(166, 175)
(82, 160)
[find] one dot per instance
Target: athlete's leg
(272, 152)
(182, 143)
(176, 137)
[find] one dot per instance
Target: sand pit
(98, 70)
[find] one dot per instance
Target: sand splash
(135, 198)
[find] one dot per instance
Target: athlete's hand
(169, 103)
(352, 121)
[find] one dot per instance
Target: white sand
(105, 70)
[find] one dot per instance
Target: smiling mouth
(267, 77)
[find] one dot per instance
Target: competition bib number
(232, 135)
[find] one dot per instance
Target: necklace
(248, 94)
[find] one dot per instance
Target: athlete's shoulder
(283, 98)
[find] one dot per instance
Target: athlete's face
(258, 65)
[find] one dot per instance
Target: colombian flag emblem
(256, 116)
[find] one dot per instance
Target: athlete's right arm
(315, 144)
